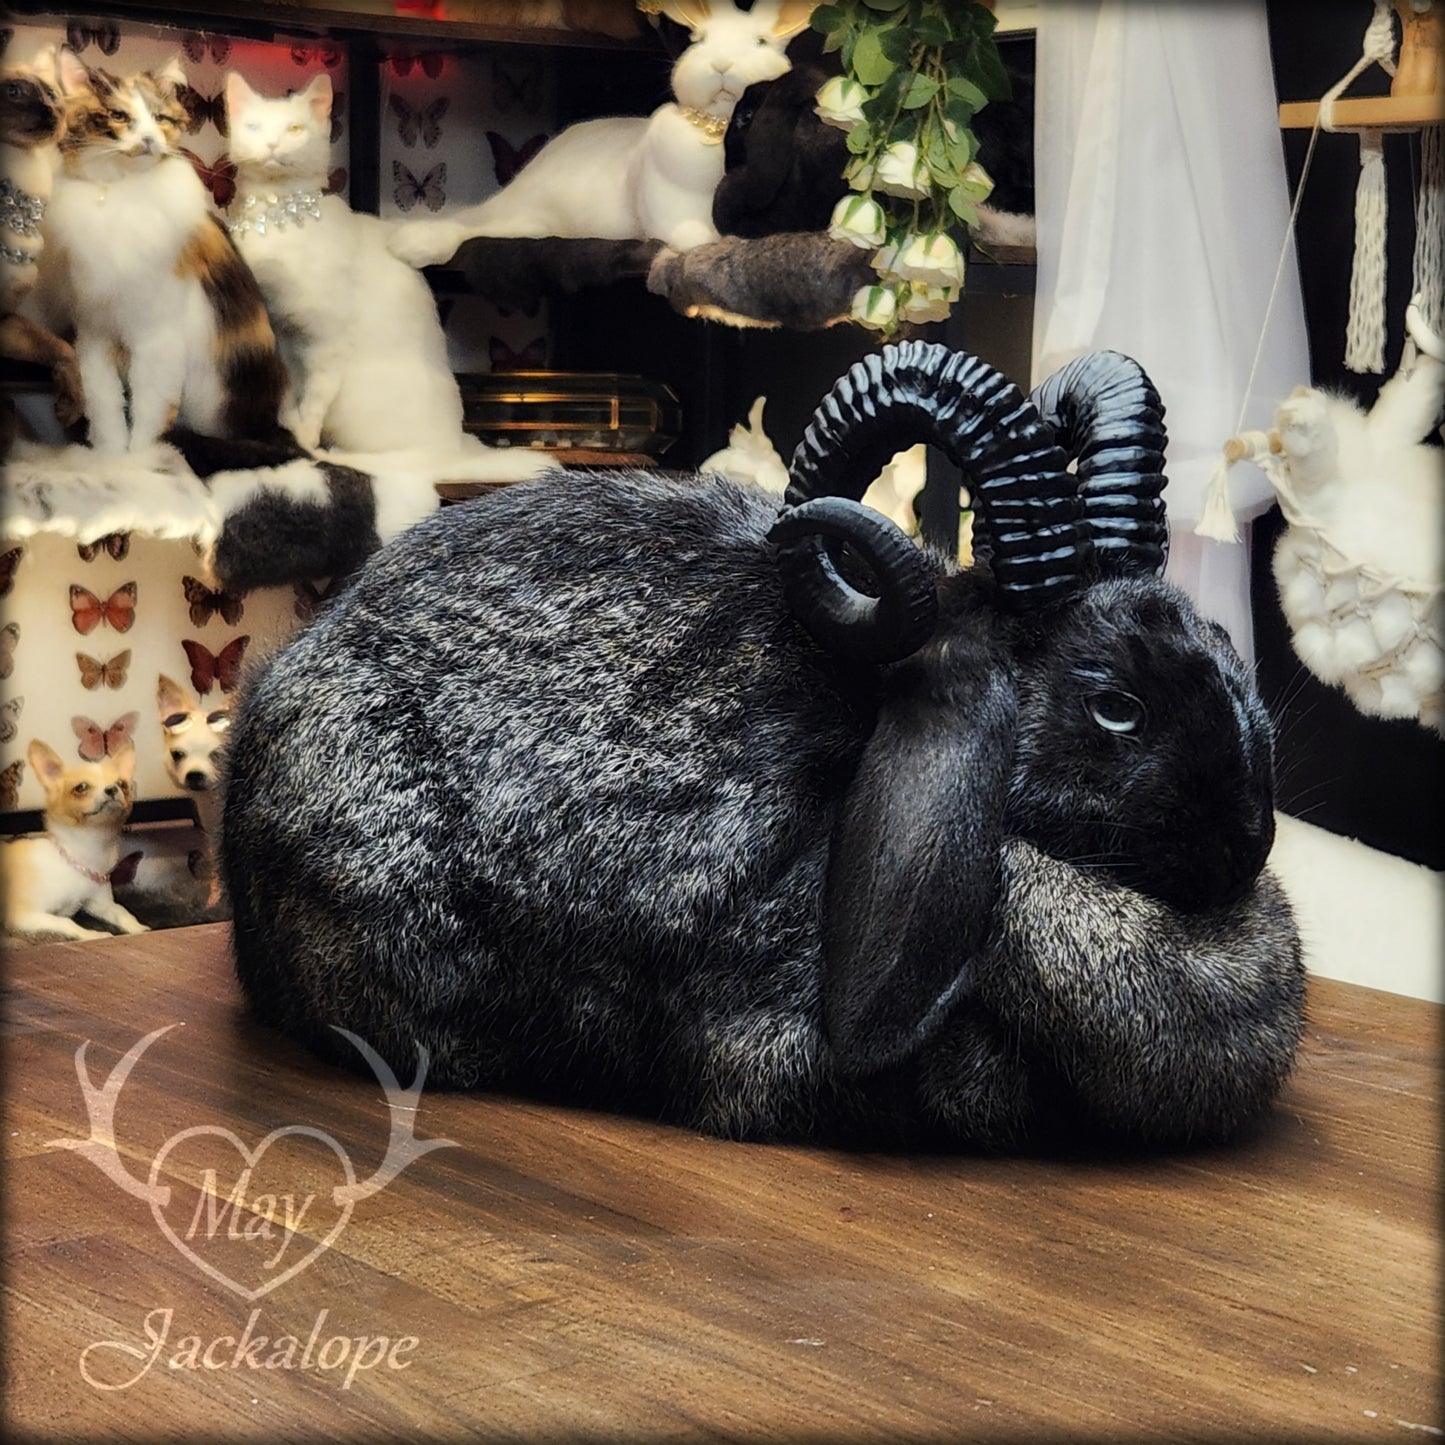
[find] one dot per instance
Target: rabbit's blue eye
(1116, 712)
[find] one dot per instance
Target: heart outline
(250, 1156)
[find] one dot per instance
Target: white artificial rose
(901, 172)
(840, 102)
(928, 303)
(976, 182)
(933, 260)
(858, 219)
(876, 306)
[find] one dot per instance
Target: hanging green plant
(914, 74)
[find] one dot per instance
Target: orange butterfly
(10, 786)
(219, 175)
(115, 543)
(9, 636)
(94, 673)
(97, 742)
(208, 668)
(205, 603)
(8, 563)
(87, 611)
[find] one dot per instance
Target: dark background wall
(1380, 781)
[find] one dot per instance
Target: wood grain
(571, 1275)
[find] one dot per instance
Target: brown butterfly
(87, 611)
(105, 37)
(328, 52)
(208, 668)
(123, 874)
(9, 561)
(97, 742)
(10, 719)
(531, 357)
(116, 544)
(419, 122)
(336, 180)
(516, 86)
(508, 159)
(205, 603)
(202, 108)
(218, 176)
(94, 673)
(431, 188)
(9, 636)
(10, 786)
(196, 45)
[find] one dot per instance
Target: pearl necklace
(711, 126)
(261, 214)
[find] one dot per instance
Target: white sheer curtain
(1162, 209)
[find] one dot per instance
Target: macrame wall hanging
(1359, 566)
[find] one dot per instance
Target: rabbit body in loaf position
(644, 805)
(634, 178)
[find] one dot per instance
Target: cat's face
(30, 112)
(115, 127)
(283, 139)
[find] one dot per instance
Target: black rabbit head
(1061, 694)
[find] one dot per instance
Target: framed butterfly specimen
(430, 189)
(97, 742)
(208, 668)
(419, 122)
(508, 159)
(94, 673)
(10, 785)
(104, 36)
(205, 604)
(113, 544)
(9, 561)
(87, 611)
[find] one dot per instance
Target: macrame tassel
(1429, 288)
(1216, 521)
(1365, 333)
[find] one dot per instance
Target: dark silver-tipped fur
(628, 790)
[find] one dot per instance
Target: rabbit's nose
(722, 66)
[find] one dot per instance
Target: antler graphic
(403, 1147)
(100, 1107)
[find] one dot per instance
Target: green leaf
(827, 19)
(989, 68)
(882, 105)
(886, 6)
(897, 43)
(962, 207)
(967, 92)
(932, 30)
(860, 138)
(921, 90)
(870, 64)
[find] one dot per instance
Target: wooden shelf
(1370, 112)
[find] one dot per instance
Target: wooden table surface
(561, 1275)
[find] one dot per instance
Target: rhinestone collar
(19, 212)
(711, 126)
(275, 212)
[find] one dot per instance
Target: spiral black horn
(1109, 419)
(922, 392)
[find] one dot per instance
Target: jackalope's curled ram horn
(612, 788)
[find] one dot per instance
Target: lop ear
(914, 872)
(768, 148)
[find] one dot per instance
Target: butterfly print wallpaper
(90, 624)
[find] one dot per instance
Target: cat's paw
(426, 243)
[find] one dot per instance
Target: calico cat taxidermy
(370, 377)
(635, 177)
(31, 122)
(170, 325)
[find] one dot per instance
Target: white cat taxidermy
(635, 178)
(1359, 568)
(169, 324)
(358, 328)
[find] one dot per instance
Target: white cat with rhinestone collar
(358, 328)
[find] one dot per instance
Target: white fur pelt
(259, 526)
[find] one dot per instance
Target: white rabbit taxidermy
(1359, 568)
(635, 177)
